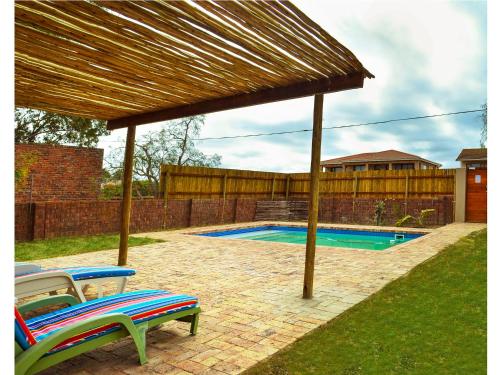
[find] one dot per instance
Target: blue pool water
(356, 239)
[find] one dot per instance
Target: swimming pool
(354, 239)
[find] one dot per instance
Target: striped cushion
(23, 335)
(139, 306)
(93, 272)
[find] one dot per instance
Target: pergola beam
(312, 221)
(293, 91)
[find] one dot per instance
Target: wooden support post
(127, 195)
(312, 222)
(223, 197)
(272, 189)
(165, 199)
(287, 187)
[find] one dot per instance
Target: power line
(339, 126)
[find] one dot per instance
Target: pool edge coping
(368, 228)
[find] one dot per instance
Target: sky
(428, 57)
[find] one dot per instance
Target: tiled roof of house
(387, 155)
(473, 154)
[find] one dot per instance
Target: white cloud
(258, 154)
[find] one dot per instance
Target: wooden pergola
(134, 63)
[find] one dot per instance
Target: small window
(336, 169)
(474, 165)
(378, 167)
(359, 167)
(403, 166)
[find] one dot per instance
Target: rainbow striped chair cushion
(85, 273)
(140, 306)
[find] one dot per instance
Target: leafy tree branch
(172, 144)
(36, 126)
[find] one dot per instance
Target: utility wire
(339, 126)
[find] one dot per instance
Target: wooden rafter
(298, 90)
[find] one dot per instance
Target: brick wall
(75, 218)
(55, 173)
(358, 211)
(88, 217)
(362, 210)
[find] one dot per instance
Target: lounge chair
(46, 340)
(82, 277)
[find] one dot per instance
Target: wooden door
(476, 200)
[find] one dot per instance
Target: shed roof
(473, 154)
(387, 155)
(140, 62)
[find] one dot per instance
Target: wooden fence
(200, 182)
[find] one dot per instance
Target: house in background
(382, 160)
(472, 158)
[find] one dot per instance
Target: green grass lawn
(56, 247)
(431, 321)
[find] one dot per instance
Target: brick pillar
(460, 191)
(39, 220)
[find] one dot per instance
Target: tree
(484, 130)
(172, 144)
(36, 126)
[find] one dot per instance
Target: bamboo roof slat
(236, 34)
(113, 67)
(134, 62)
(149, 57)
(190, 37)
(280, 36)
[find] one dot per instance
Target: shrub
(379, 212)
(419, 220)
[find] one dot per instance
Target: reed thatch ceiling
(139, 62)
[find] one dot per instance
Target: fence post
(272, 189)
(406, 193)
(287, 187)
(354, 192)
(165, 200)
(355, 187)
(223, 197)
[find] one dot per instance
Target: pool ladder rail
(398, 237)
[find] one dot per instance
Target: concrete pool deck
(250, 294)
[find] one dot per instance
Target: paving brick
(191, 367)
(251, 302)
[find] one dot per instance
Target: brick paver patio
(250, 294)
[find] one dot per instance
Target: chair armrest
(30, 356)
(48, 301)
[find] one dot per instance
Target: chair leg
(140, 343)
(194, 324)
(121, 283)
